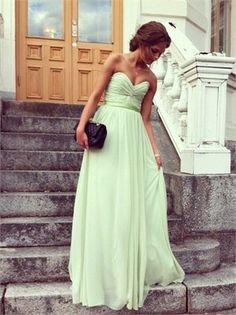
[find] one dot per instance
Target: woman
(120, 244)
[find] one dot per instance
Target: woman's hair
(149, 34)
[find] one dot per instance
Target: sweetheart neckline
(126, 76)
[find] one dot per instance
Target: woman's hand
(158, 160)
(82, 138)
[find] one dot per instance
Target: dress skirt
(120, 244)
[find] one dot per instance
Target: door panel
(99, 27)
(55, 62)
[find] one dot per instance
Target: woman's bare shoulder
(152, 78)
(112, 61)
(114, 58)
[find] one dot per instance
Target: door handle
(74, 33)
(74, 28)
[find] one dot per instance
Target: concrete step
(40, 160)
(55, 299)
(36, 204)
(35, 231)
(32, 264)
(20, 108)
(55, 231)
(38, 142)
(213, 291)
(15, 204)
(55, 125)
(198, 255)
(44, 181)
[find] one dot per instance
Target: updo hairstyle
(149, 34)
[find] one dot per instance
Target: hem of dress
(147, 288)
(108, 306)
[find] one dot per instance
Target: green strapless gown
(120, 244)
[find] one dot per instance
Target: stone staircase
(39, 171)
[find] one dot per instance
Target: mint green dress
(120, 244)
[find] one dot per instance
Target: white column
(205, 152)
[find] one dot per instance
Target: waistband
(121, 105)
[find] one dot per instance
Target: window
(220, 25)
(95, 21)
(45, 18)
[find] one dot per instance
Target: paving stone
(40, 160)
(35, 181)
(55, 298)
(213, 291)
(36, 204)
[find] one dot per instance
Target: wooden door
(97, 32)
(43, 53)
(55, 62)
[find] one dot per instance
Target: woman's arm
(103, 79)
(146, 113)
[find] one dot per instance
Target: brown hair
(148, 34)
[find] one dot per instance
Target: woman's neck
(135, 60)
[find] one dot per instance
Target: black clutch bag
(96, 133)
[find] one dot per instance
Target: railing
(191, 100)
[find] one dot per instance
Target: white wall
(191, 16)
(131, 20)
(7, 47)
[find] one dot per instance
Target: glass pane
(95, 21)
(45, 18)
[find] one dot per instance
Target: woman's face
(151, 53)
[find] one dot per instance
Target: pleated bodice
(121, 92)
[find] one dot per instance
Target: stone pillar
(205, 152)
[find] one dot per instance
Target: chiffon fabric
(120, 244)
